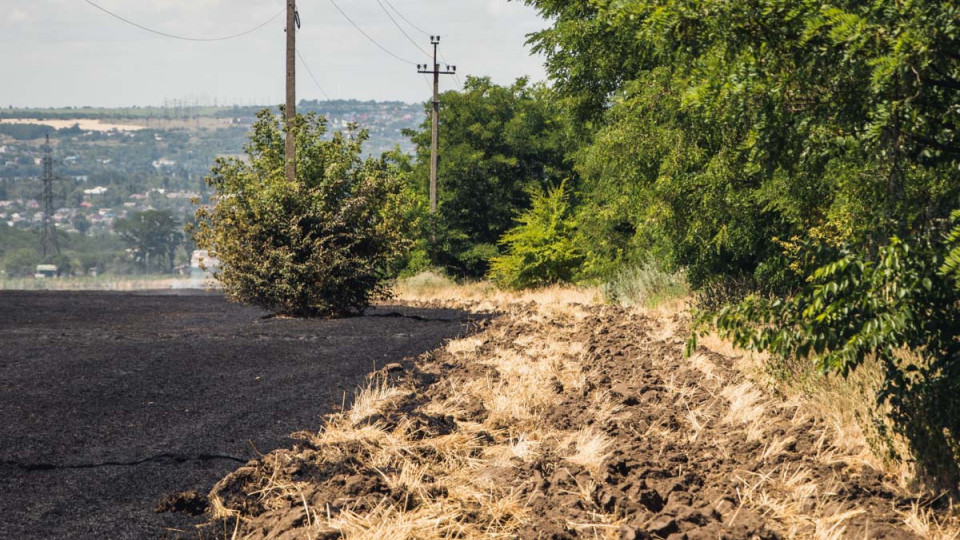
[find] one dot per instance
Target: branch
(952, 149)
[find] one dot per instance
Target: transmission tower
(48, 236)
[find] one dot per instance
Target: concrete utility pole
(435, 70)
(48, 236)
(290, 110)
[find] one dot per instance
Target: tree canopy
(725, 129)
(496, 143)
(322, 245)
(153, 236)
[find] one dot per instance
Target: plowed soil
(109, 402)
(577, 422)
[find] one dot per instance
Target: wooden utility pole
(435, 71)
(290, 110)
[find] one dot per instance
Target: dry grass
(484, 296)
(846, 406)
(462, 481)
(105, 283)
(587, 448)
(925, 523)
(456, 478)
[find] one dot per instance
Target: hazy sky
(66, 52)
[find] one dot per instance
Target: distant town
(113, 164)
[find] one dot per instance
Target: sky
(57, 53)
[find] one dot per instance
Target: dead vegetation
(563, 418)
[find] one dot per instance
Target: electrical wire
(381, 47)
(310, 72)
(402, 31)
(418, 29)
(397, 11)
(184, 38)
(455, 76)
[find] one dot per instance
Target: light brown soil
(618, 436)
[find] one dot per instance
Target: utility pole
(290, 110)
(48, 236)
(435, 70)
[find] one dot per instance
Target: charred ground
(111, 401)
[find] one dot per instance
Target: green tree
(21, 262)
(153, 236)
(724, 129)
(853, 308)
(496, 143)
(81, 224)
(324, 244)
(540, 250)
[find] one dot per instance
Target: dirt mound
(563, 422)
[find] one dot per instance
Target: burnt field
(110, 401)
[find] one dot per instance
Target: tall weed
(645, 284)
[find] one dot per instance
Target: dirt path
(109, 401)
(560, 421)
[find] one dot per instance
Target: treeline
(149, 242)
(27, 132)
(796, 160)
(187, 111)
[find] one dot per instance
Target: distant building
(45, 271)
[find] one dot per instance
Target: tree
(496, 143)
(153, 236)
(725, 129)
(322, 245)
(854, 308)
(540, 250)
(21, 262)
(81, 224)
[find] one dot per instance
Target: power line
(381, 47)
(185, 38)
(309, 71)
(397, 11)
(455, 76)
(400, 28)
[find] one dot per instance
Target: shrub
(21, 263)
(322, 245)
(901, 308)
(645, 284)
(540, 250)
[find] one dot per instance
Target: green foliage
(540, 250)
(722, 126)
(322, 245)
(903, 307)
(496, 144)
(21, 262)
(153, 236)
(645, 284)
(748, 141)
(23, 132)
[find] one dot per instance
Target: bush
(322, 245)
(21, 263)
(901, 308)
(645, 284)
(540, 250)
(425, 282)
